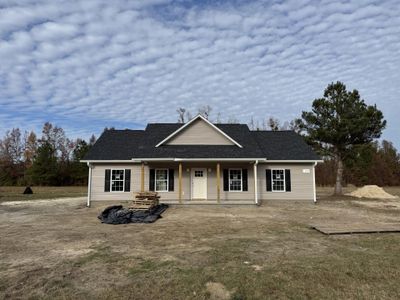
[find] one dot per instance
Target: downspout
(89, 184)
(255, 183)
(315, 190)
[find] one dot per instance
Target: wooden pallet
(141, 197)
(145, 201)
(147, 195)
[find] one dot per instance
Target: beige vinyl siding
(98, 173)
(186, 184)
(211, 169)
(235, 195)
(98, 176)
(199, 133)
(301, 183)
(170, 195)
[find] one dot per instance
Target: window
(161, 180)
(235, 180)
(278, 180)
(117, 180)
(198, 173)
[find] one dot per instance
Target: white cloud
(89, 64)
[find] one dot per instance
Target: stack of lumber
(145, 200)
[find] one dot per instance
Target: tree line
(270, 123)
(341, 127)
(374, 163)
(51, 159)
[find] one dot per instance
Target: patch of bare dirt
(46, 202)
(380, 204)
(217, 291)
(63, 240)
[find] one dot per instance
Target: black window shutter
(127, 180)
(152, 178)
(268, 179)
(288, 182)
(171, 180)
(226, 180)
(245, 185)
(107, 178)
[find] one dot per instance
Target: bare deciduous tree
(205, 111)
(232, 120)
(181, 114)
(11, 148)
(92, 140)
(218, 120)
(30, 148)
(273, 124)
(252, 124)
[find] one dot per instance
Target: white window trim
(123, 181)
(241, 179)
(272, 181)
(155, 180)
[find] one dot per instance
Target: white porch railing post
(255, 183)
(89, 185)
(314, 186)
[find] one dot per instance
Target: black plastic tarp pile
(117, 214)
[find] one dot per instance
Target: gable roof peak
(187, 124)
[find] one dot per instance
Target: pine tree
(338, 122)
(44, 169)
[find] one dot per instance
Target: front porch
(201, 182)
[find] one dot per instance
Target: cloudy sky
(84, 65)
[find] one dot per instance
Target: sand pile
(371, 191)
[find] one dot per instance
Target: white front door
(199, 183)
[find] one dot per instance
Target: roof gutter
(296, 161)
(220, 159)
(138, 160)
(105, 161)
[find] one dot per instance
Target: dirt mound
(371, 191)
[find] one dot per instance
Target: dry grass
(201, 252)
(15, 193)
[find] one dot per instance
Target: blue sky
(84, 65)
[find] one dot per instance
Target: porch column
(218, 183)
(89, 185)
(255, 183)
(180, 183)
(314, 188)
(142, 178)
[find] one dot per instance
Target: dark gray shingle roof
(284, 145)
(129, 144)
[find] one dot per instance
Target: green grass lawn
(15, 193)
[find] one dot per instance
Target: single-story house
(200, 162)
